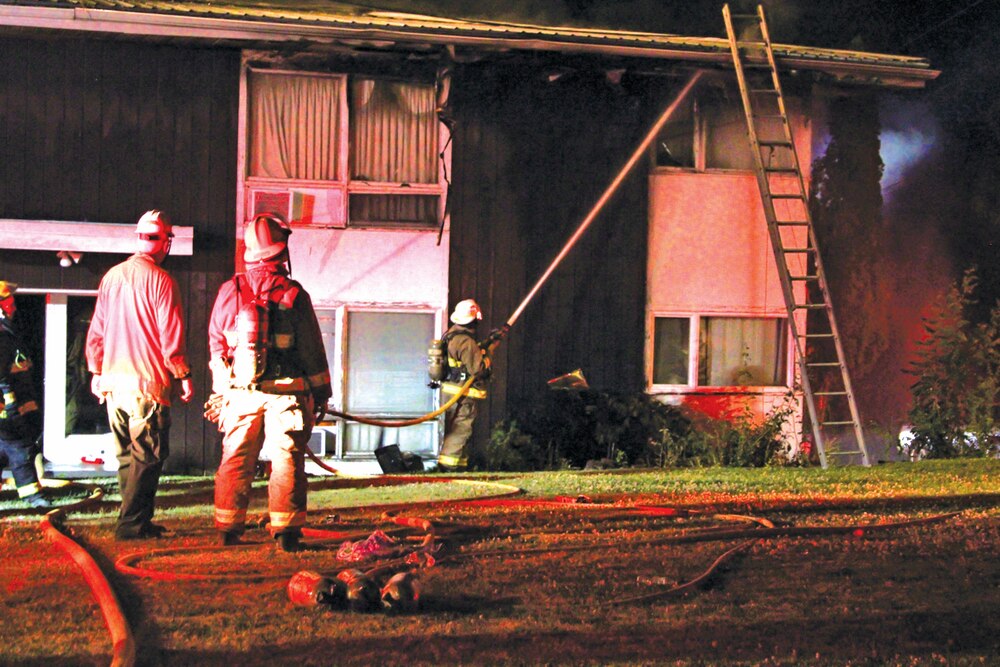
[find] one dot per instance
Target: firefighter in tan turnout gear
(465, 359)
(269, 377)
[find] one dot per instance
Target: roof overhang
(313, 28)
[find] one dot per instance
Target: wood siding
(105, 130)
(531, 158)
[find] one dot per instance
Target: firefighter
(465, 359)
(20, 418)
(137, 353)
(269, 376)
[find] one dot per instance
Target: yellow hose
(407, 422)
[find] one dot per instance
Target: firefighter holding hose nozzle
(269, 379)
(466, 358)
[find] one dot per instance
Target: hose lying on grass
(123, 643)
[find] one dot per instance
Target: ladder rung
(781, 142)
(797, 250)
(803, 277)
(829, 393)
(751, 42)
(763, 91)
(792, 223)
(809, 306)
(847, 423)
(781, 170)
(823, 364)
(847, 453)
(769, 116)
(787, 195)
(820, 335)
(755, 17)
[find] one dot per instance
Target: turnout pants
(281, 425)
(141, 427)
(18, 454)
(457, 431)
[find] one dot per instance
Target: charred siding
(531, 158)
(102, 131)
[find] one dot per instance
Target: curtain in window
(394, 132)
(741, 352)
(293, 126)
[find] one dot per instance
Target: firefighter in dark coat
(20, 418)
(269, 377)
(465, 359)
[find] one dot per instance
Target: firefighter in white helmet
(465, 359)
(20, 418)
(136, 352)
(269, 377)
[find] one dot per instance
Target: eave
(258, 28)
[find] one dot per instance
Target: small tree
(956, 396)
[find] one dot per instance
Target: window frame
(343, 186)
(694, 355)
(339, 367)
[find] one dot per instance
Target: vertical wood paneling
(534, 158)
(103, 131)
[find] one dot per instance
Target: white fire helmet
(266, 237)
(154, 223)
(466, 311)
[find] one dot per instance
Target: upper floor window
(708, 131)
(335, 150)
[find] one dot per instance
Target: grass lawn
(585, 580)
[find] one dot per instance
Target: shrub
(956, 395)
(569, 428)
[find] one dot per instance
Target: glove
(321, 396)
(485, 369)
(213, 408)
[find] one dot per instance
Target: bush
(956, 395)
(570, 428)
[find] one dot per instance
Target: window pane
(670, 350)
(742, 352)
(726, 143)
(84, 414)
(387, 362)
(293, 126)
(675, 145)
(394, 132)
(395, 210)
(362, 438)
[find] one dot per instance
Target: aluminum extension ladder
(833, 413)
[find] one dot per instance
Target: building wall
(532, 156)
(105, 130)
(710, 254)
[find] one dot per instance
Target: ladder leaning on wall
(833, 412)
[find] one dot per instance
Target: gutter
(895, 71)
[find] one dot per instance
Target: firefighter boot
(289, 541)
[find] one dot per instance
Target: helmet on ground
(154, 223)
(466, 311)
(266, 237)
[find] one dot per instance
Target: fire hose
(637, 155)
(123, 642)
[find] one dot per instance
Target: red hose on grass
(123, 643)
